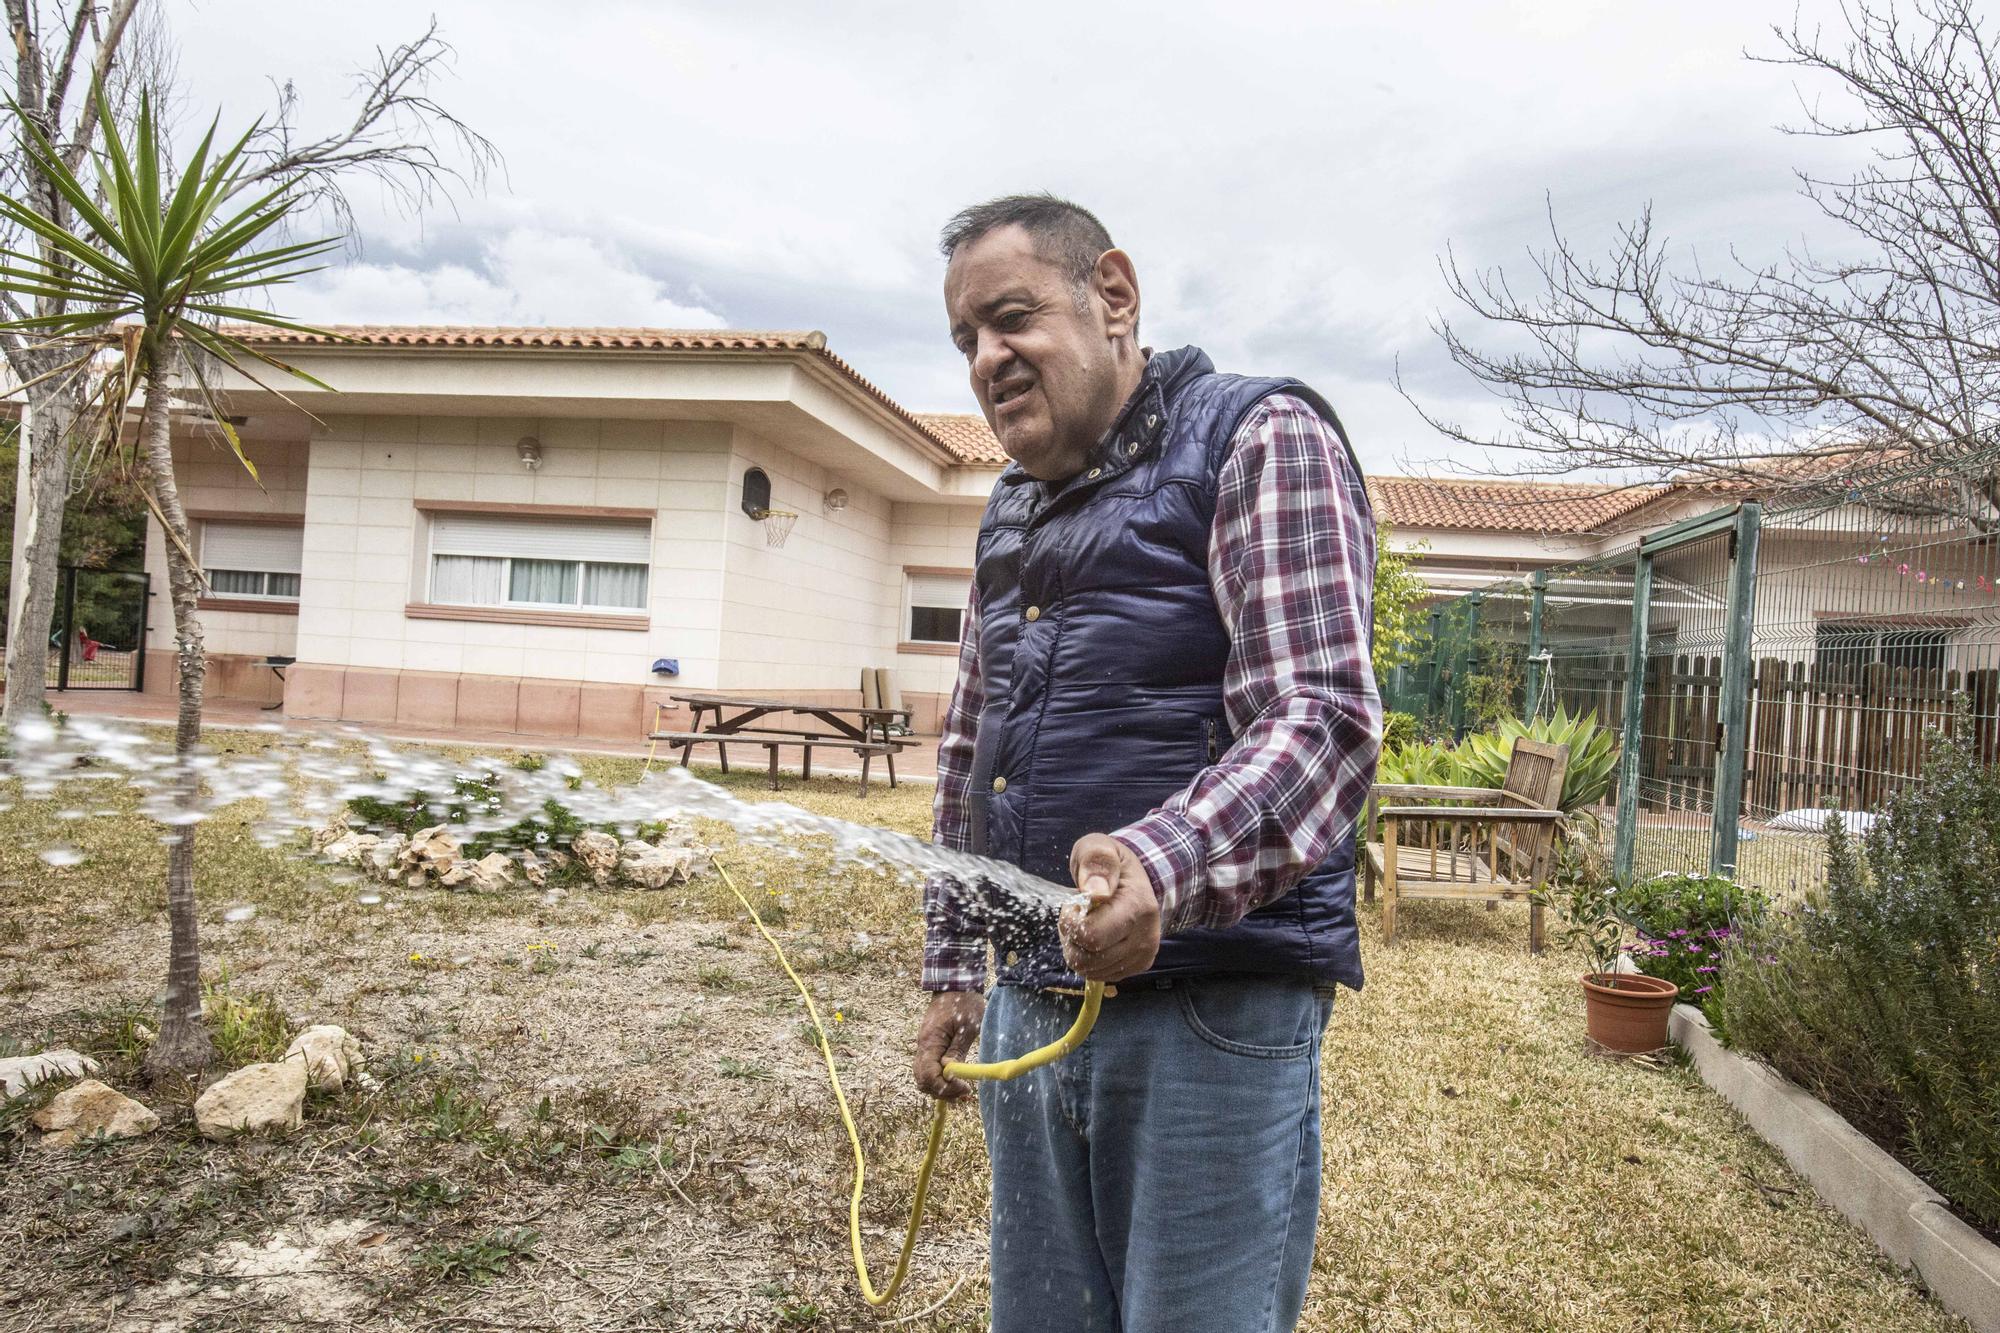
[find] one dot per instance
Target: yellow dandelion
(839, 1017)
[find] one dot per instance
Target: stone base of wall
(445, 702)
(230, 676)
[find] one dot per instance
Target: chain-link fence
(1793, 661)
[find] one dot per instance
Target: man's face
(1040, 356)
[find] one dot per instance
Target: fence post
(1538, 591)
(68, 628)
(1733, 722)
(1635, 697)
(1468, 654)
(145, 618)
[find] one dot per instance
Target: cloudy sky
(1285, 176)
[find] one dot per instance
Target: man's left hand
(1115, 932)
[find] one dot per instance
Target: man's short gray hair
(1066, 235)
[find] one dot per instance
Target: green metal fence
(1792, 662)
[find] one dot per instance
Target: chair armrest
(1470, 815)
(1411, 791)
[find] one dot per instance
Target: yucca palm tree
(147, 272)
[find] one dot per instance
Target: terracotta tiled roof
(966, 435)
(1503, 506)
(947, 432)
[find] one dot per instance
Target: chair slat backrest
(1534, 781)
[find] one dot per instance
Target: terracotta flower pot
(1631, 1017)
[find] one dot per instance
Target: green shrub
(1400, 729)
(553, 829)
(1593, 754)
(1682, 924)
(1881, 993)
(1481, 760)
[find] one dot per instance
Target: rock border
(1907, 1219)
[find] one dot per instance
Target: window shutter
(608, 540)
(947, 591)
(273, 548)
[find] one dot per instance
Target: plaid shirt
(1291, 559)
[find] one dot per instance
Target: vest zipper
(1213, 753)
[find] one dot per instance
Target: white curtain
(614, 585)
(467, 579)
(542, 582)
(238, 583)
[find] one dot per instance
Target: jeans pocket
(1266, 1018)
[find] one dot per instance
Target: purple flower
(1703, 990)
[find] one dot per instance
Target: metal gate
(1680, 787)
(99, 637)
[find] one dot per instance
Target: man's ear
(1117, 285)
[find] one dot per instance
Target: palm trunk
(40, 512)
(182, 1049)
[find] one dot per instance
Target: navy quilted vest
(1102, 653)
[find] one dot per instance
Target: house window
(1844, 647)
(937, 606)
(523, 561)
(252, 560)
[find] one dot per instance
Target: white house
(548, 530)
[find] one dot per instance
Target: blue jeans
(1164, 1178)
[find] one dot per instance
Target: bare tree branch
(401, 137)
(1793, 369)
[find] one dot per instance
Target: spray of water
(305, 780)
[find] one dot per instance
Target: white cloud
(524, 276)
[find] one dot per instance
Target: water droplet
(62, 855)
(242, 913)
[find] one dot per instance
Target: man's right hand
(948, 1032)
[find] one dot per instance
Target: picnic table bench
(738, 719)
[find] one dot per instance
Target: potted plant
(1625, 1012)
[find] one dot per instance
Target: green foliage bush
(1400, 729)
(1881, 993)
(1682, 924)
(471, 792)
(1481, 760)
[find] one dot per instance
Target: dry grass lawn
(603, 1113)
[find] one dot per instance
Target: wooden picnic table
(759, 721)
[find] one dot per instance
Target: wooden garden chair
(1487, 845)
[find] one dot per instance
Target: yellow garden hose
(1001, 1070)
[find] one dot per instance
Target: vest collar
(1136, 432)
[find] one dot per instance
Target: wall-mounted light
(833, 501)
(530, 452)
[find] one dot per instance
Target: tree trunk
(41, 511)
(183, 1048)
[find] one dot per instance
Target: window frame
(509, 611)
(213, 597)
(508, 603)
(908, 640)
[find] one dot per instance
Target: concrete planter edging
(1906, 1218)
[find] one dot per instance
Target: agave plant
(149, 268)
(1481, 760)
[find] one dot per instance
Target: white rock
(383, 855)
(91, 1109)
(532, 867)
(430, 851)
(255, 1097)
(22, 1072)
(347, 847)
(598, 852)
(490, 872)
(330, 1053)
(649, 867)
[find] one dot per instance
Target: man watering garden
(1164, 695)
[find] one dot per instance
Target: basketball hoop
(777, 525)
